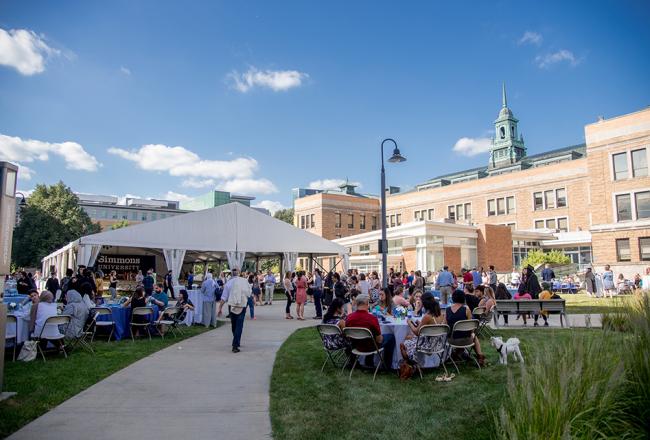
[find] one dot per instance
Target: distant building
(591, 201)
(108, 210)
(213, 199)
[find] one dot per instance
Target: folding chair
(484, 318)
(82, 340)
(334, 356)
(357, 334)
(54, 321)
(167, 317)
(141, 311)
(96, 322)
(12, 331)
(463, 342)
(432, 331)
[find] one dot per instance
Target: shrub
(538, 257)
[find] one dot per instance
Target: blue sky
(261, 97)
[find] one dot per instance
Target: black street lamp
(395, 158)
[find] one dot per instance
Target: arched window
(512, 131)
(503, 132)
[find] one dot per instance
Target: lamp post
(395, 158)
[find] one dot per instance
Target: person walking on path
(288, 291)
(493, 278)
(208, 288)
(236, 293)
(169, 284)
(269, 287)
(317, 288)
(547, 273)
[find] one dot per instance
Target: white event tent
(231, 232)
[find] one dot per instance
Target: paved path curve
(196, 389)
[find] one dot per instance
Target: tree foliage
(537, 257)
(51, 219)
(121, 224)
(286, 215)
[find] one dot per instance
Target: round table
(194, 316)
(122, 319)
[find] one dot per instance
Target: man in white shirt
(236, 293)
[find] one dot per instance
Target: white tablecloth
(195, 316)
(401, 330)
(23, 326)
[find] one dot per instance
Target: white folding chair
(432, 331)
(464, 343)
(54, 321)
(358, 334)
(99, 312)
(330, 331)
(12, 331)
(146, 312)
(167, 317)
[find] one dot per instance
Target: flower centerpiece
(12, 306)
(400, 312)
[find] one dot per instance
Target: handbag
(29, 351)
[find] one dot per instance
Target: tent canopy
(231, 232)
(231, 227)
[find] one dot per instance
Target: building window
(302, 222)
(620, 166)
(350, 221)
(416, 215)
(374, 222)
(364, 249)
(539, 224)
(510, 205)
(392, 220)
(431, 212)
(501, 206)
(623, 249)
(642, 201)
(550, 223)
(549, 199)
(538, 201)
(313, 223)
(398, 219)
(144, 217)
(491, 207)
(560, 197)
(154, 216)
(337, 220)
(623, 207)
(451, 212)
(644, 248)
(639, 163)
(562, 224)
(362, 221)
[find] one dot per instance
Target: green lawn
(581, 303)
(43, 385)
(308, 404)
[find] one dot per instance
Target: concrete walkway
(196, 389)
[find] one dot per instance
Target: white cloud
(25, 173)
(547, 60)
(125, 70)
(270, 205)
(179, 161)
(329, 184)
(171, 195)
(197, 183)
(531, 37)
(248, 186)
(276, 80)
(28, 150)
(472, 146)
(25, 51)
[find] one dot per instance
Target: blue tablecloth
(14, 298)
(122, 319)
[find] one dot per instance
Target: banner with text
(125, 263)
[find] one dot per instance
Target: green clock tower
(507, 144)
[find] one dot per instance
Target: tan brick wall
(451, 254)
(494, 247)
(326, 206)
(410, 258)
(571, 175)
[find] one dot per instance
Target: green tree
(51, 219)
(537, 257)
(286, 215)
(121, 224)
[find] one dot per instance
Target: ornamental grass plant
(586, 388)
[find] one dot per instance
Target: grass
(580, 303)
(43, 385)
(308, 404)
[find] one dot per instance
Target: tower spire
(504, 98)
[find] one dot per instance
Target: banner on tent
(125, 263)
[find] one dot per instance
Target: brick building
(592, 201)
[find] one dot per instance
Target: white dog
(503, 348)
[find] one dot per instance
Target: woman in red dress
(301, 295)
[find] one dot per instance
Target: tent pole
(257, 264)
(316, 261)
(311, 263)
(281, 267)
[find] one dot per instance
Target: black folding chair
(334, 356)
